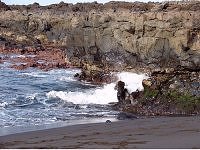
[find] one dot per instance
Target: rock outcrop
(4, 7)
(166, 92)
(117, 34)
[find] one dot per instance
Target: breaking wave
(101, 95)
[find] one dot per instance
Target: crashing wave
(101, 95)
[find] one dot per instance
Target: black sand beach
(162, 132)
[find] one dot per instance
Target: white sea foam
(3, 104)
(64, 72)
(65, 75)
(21, 56)
(32, 96)
(63, 78)
(17, 56)
(96, 96)
(35, 74)
(103, 95)
(132, 81)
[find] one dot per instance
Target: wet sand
(162, 132)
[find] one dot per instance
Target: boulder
(126, 116)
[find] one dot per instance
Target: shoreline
(6, 131)
(159, 132)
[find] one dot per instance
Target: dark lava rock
(3, 6)
(125, 116)
(108, 122)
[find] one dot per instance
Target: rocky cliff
(118, 34)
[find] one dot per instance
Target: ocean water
(34, 97)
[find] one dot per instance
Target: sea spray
(101, 95)
(132, 81)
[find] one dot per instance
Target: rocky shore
(161, 39)
(44, 58)
(166, 93)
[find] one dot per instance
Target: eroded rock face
(116, 34)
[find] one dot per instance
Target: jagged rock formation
(117, 34)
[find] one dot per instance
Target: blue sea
(34, 97)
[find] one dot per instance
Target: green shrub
(185, 101)
(150, 93)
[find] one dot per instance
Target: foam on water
(61, 74)
(63, 78)
(103, 95)
(17, 56)
(64, 72)
(3, 104)
(32, 96)
(34, 74)
(132, 81)
(98, 96)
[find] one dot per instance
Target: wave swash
(101, 95)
